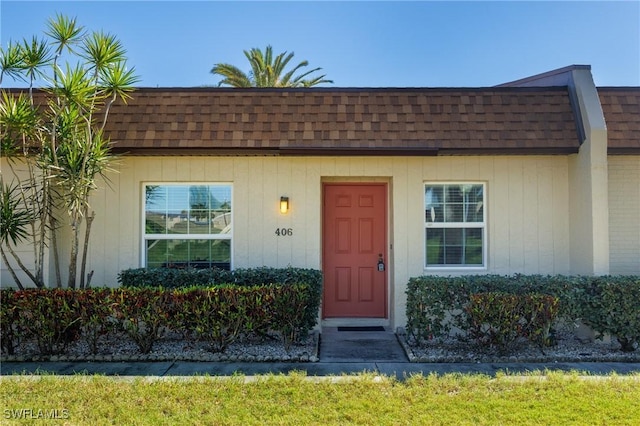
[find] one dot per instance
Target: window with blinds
(187, 225)
(454, 225)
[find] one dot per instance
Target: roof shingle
(621, 108)
(345, 120)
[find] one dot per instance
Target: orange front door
(354, 242)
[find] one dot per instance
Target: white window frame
(457, 225)
(145, 236)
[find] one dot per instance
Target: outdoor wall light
(284, 205)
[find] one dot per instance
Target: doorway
(354, 250)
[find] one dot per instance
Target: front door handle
(380, 263)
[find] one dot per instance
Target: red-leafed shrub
(216, 314)
(540, 312)
(9, 316)
(96, 314)
(291, 304)
(51, 316)
(143, 314)
(500, 319)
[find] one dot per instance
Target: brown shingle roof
(621, 108)
(363, 121)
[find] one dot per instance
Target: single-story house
(375, 185)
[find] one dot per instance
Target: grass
(539, 399)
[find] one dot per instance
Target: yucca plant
(14, 222)
(61, 140)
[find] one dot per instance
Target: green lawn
(552, 398)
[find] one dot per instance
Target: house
(375, 185)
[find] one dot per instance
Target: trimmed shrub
(221, 314)
(500, 319)
(495, 319)
(249, 277)
(9, 316)
(95, 306)
(143, 313)
(291, 305)
(436, 305)
(173, 278)
(540, 313)
(217, 315)
(51, 316)
(611, 305)
(260, 310)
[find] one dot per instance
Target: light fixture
(284, 205)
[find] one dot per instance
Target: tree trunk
(13, 273)
(54, 248)
(89, 276)
(85, 248)
(44, 214)
(73, 260)
(32, 200)
(38, 284)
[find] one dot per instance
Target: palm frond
(117, 81)
(232, 75)
(11, 62)
(74, 86)
(267, 71)
(102, 50)
(36, 55)
(19, 125)
(15, 216)
(65, 33)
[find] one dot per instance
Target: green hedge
(436, 306)
(611, 305)
(249, 277)
(173, 278)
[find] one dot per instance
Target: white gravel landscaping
(569, 348)
(173, 347)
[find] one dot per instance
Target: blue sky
(359, 44)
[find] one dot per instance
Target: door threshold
(355, 322)
(362, 328)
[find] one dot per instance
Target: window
(454, 225)
(187, 225)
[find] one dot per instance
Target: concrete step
(359, 346)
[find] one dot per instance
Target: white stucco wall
(624, 214)
(527, 210)
(11, 174)
(588, 199)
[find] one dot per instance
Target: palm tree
(267, 71)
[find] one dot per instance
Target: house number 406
(284, 232)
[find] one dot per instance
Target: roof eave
(333, 152)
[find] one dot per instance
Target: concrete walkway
(359, 346)
(341, 352)
(399, 370)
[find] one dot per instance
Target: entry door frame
(385, 252)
